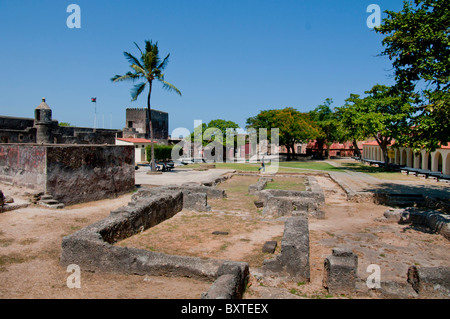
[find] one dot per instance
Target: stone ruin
(92, 248)
(277, 202)
(294, 257)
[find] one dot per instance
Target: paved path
(177, 176)
(362, 182)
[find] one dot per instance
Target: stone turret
(43, 123)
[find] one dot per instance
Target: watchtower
(43, 123)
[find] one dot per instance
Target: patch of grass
(81, 220)
(5, 242)
(27, 241)
(313, 165)
(293, 184)
(6, 260)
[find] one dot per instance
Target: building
(437, 161)
(137, 127)
(140, 147)
(44, 130)
(346, 149)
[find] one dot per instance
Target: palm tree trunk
(150, 125)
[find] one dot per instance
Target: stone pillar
(294, 256)
(340, 271)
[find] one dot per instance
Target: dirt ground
(30, 245)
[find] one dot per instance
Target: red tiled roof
(136, 140)
(376, 144)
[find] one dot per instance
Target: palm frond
(137, 90)
(133, 60)
(163, 64)
(139, 70)
(169, 87)
(137, 46)
(127, 77)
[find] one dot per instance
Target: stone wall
(24, 130)
(92, 247)
(72, 174)
(78, 174)
(138, 120)
(23, 165)
(277, 202)
(294, 256)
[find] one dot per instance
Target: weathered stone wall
(78, 174)
(92, 248)
(23, 165)
(24, 130)
(72, 174)
(279, 202)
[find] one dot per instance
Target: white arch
(403, 157)
(437, 162)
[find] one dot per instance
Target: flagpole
(95, 112)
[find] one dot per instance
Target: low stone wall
(195, 197)
(294, 256)
(254, 189)
(430, 282)
(277, 202)
(92, 248)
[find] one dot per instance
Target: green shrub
(161, 152)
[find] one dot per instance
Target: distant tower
(43, 123)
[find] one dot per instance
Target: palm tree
(148, 68)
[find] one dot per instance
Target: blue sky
(230, 58)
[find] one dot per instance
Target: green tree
(294, 126)
(214, 135)
(382, 114)
(418, 44)
(217, 131)
(329, 125)
(147, 68)
(347, 115)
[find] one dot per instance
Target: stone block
(231, 281)
(430, 282)
(340, 272)
(294, 256)
(269, 247)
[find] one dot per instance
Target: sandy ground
(30, 245)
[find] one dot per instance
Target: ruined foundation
(294, 257)
(92, 248)
(278, 202)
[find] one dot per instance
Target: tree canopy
(418, 44)
(293, 126)
(330, 129)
